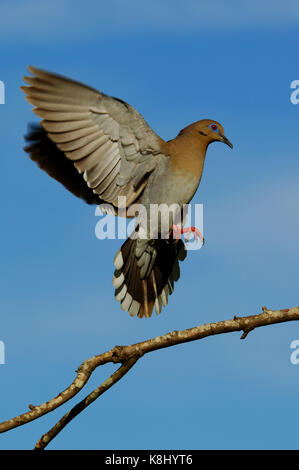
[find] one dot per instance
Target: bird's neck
(187, 154)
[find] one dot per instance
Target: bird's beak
(226, 141)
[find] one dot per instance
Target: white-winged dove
(100, 148)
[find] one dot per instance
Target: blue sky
(176, 62)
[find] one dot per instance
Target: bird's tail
(145, 274)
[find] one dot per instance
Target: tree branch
(128, 355)
(115, 377)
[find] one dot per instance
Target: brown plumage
(102, 150)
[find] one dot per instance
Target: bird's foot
(193, 230)
(178, 231)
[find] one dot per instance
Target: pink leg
(177, 231)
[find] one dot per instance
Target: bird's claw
(178, 231)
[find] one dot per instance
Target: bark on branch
(128, 356)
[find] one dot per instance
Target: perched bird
(102, 150)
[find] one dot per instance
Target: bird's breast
(170, 186)
(165, 195)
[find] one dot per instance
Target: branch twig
(128, 355)
(115, 377)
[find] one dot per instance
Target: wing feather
(72, 135)
(52, 126)
(85, 150)
(82, 141)
(106, 139)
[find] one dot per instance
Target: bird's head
(208, 131)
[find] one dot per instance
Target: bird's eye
(214, 127)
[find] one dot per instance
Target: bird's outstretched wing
(107, 140)
(49, 158)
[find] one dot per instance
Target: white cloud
(42, 20)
